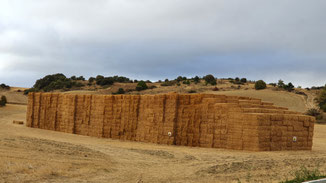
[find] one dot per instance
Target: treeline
(61, 82)
(4, 87)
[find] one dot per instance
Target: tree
(243, 80)
(289, 87)
(80, 78)
(210, 79)
(121, 91)
(259, 85)
(179, 78)
(196, 79)
(4, 86)
(3, 101)
(280, 83)
(321, 99)
(91, 79)
(237, 79)
(141, 86)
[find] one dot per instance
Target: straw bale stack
(197, 120)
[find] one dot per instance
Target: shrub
(187, 82)
(273, 84)
(289, 87)
(152, 87)
(313, 112)
(3, 101)
(280, 83)
(237, 79)
(243, 80)
(4, 86)
(141, 86)
(80, 78)
(196, 79)
(121, 91)
(259, 85)
(210, 79)
(321, 99)
(168, 83)
(215, 89)
(91, 79)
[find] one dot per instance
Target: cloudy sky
(158, 39)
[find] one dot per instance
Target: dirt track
(34, 155)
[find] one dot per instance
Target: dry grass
(35, 155)
(15, 95)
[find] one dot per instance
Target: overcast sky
(158, 39)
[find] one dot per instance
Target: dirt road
(35, 155)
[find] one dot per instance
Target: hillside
(291, 100)
(281, 98)
(15, 95)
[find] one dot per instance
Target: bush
(186, 82)
(80, 78)
(313, 112)
(141, 86)
(243, 80)
(152, 87)
(215, 89)
(3, 101)
(120, 91)
(196, 79)
(4, 86)
(168, 83)
(259, 85)
(273, 84)
(289, 87)
(321, 99)
(280, 83)
(210, 79)
(91, 80)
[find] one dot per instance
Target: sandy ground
(35, 155)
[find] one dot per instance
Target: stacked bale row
(198, 120)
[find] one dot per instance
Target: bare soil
(35, 155)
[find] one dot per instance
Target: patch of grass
(303, 174)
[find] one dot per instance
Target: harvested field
(35, 155)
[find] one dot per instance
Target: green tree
(121, 91)
(259, 85)
(210, 79)
(243, 80)
(3, 101)
(196, 79)
(321, 99)
(280, 83)
(141, 86)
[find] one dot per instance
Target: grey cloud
(163, 39)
